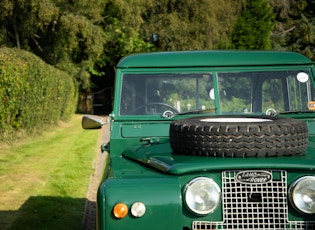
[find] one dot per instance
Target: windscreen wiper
(296, 111)
(198, 111)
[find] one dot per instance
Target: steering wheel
(154, 108)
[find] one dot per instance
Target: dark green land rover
(210, 140)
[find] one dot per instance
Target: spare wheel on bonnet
(238, 136)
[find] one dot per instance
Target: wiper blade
(198, 111)
(296, 111)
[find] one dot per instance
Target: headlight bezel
(187, 194)
(293, 196)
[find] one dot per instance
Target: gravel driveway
(88, 222)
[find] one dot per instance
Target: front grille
(254, 205)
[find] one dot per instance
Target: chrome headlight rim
(187, 193)
(293, 190)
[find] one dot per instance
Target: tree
(189, 25)
(121, 25)
(295, 26)
(89, 37)
(133, 26)
(253, 28)
(63, 33)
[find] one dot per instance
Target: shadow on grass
(49, 213)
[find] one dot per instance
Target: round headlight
(302, 194)
(202, 195)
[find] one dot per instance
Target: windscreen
(267, 92)
(145, 94)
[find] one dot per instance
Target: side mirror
(92, 122)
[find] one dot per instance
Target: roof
(208, 58)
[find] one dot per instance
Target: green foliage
(233, 104)
(77, 45)
(189, 25)
(122, 26)
(253, 28)
(295, 26)
(33, 94)
(89, 37)
(65, 34)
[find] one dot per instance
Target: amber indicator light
(120, 210)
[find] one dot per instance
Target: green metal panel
(145, 130)
(311, 127)
(212, 58)
(160, 157)
(162, 198)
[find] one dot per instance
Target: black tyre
(238, 136)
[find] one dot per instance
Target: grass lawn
(44, 179)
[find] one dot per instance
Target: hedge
(33, 93)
